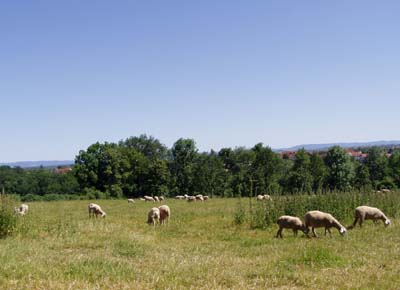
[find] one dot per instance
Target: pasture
(57, 246)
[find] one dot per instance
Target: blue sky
(225, 73)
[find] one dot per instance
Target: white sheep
(95, 210)
(131, 200)
(156, 198)
(149, 198)
(319, 219)
(261, 197)
(206, 197)
(369, 213)
(153, 216)
(199, 197)
(179, 197)
(161, 198)
(165, 214)
(22, 209)
(290, 222)
(191, 198)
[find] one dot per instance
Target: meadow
(205, 246)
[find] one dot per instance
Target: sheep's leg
(279, 233)
(361, 222)
(313, 231)
(355, 222)
(329, 231)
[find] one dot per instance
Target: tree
(183, 153)
(394, 167)
(340, 169)
(377, 164)
(149, 146)
(319, 172)
(300, 179)
(362, 178)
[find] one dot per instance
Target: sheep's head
(103, 215)
(305, 229)
(343, 231)
(387, 222)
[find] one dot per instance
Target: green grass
(56, 246)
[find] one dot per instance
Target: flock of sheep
(314, 219)
(319, 219)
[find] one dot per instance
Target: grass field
(58, 247)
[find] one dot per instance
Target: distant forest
(142, 165)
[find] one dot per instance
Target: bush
(53, 197)
(91, 193)
(8, 219)
(31, 197)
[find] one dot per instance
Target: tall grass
(340, 205)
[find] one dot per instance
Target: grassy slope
(58, 247)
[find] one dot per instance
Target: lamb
(369, 213)
(153, 216)
(22, 209)
(290, 222)
(95, 209)
(149, 198)
(319, 219)
(131, 200)
(165, 214)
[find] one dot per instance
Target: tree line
(142, 165)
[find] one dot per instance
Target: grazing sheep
(156, 198)
(179, 197)
(95, 209)
(290, 222)
(385, 190)
(161, 198)
(206, 197)
(153, 216)
(319, 219)
(261, 197)
(131, 200)
(22, 209)
(199, 197)
(142, 199)
(165, 214)
(369, 213)
(186, 196)
(191, 198)
(149, 198)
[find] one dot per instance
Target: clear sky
(225, 73)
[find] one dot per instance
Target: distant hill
(33, 164)
(317, 147)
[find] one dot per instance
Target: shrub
(8, 219)
(31, 197)
(53, 197)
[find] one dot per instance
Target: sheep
(149, 198)
(290, 222)
(161, 198)
(156, 198)
(22, 209)
(131, 200)
(153, 216)
(385, 190)
(199, 197)
(95, 209)
(318, 219)
(261, 197)
(179, 197)
(191, 198)
(369, 213)
(206, 197)
(165, 214)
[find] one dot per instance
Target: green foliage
(340, 204)
(8, 219)
(340, 169)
